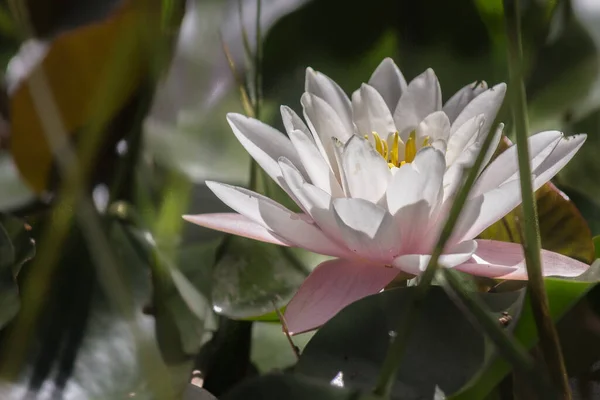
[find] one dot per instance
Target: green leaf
(251, 278)
(445, 350)
(270, 348)
(562, 295)
(16, 247)
(277, 387)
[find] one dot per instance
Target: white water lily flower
(375, 177)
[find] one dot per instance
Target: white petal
(431, 165)
(460, 99)
(488, 208)
(422, 97)
(289, 226)
(367, 229)
(389, 82)
(292, 121)
(403, 188)
(506, 166)
(322, 86)
(417, 263)
(487, 103)
(419, 180)
(493, 145)
(366, 171)
(315, 201)
(324, 124)
(463, 137)
(338, 149)
(414, 196)
(264, 143)
(436, 126)
(453, 178)
(371, 114)
(317, 169)
(560, 156)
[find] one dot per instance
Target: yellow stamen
(378, 141)
(394, 151)
(385, 153)
(425, 141)
(411, 148)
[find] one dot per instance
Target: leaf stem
(393, 358)
(549, 341)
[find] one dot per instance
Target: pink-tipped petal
(330, 287)
(504, 260)
(236, 224)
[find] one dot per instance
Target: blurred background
(105, 292)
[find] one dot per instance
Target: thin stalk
(258, 63)
(549, 342)
(286, 331)
(510, 349)
(393, 357)
(248, 56)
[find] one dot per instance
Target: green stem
(258, 63)
(396, 350)
(531, 244)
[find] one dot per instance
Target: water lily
(375, 176)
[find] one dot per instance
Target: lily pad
(289, 387)
(444, 350)
(251, 278)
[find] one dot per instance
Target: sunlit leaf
(562, 228)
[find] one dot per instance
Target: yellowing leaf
(87, 86)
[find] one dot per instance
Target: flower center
(392, 153)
